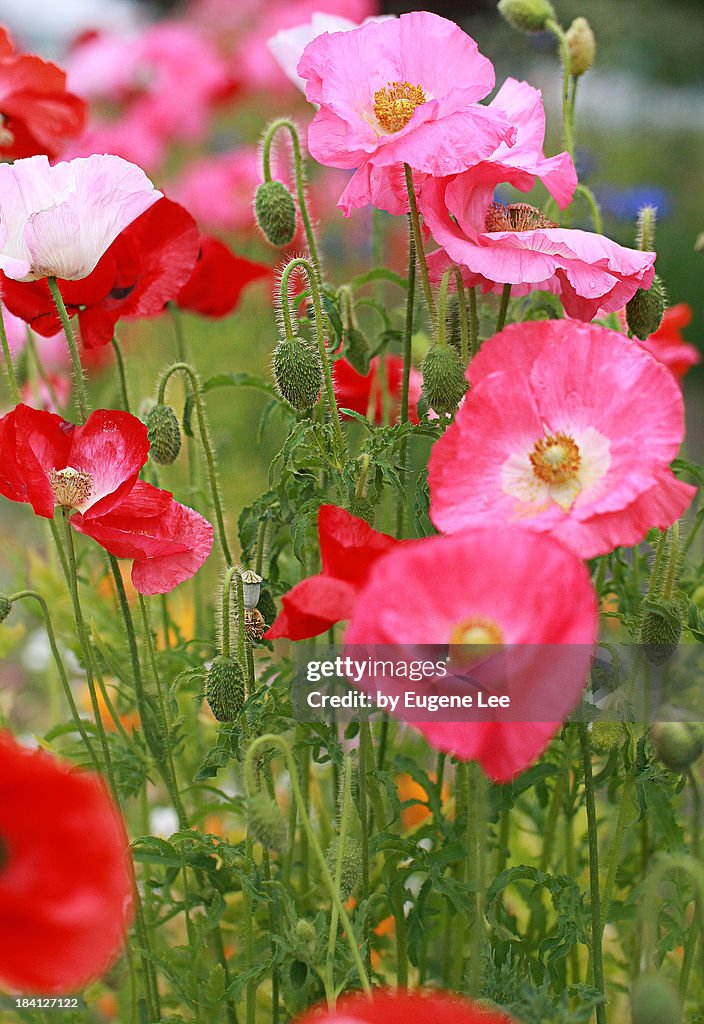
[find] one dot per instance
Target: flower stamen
(555, 459)
(516, 217)
(71, 486)
(394, 104)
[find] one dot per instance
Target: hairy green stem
(121, 375)
(81, 394)
(595, 893)
(420, 246)
(503, 308)
(9, 367)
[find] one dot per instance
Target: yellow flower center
(394, 105)
(479, 635)
(555, 460)
(71, 486)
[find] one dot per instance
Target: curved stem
(188, 370)
(419, 246)
(566, 57)
(271, 739)
(81, 395)
(290, 127)
(9, 367)
(588, 195)
(121, 375)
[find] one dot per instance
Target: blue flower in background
(623, 202)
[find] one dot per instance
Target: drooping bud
(444, 383)
(5, 607)
(298, 373)
(655, 1001)
(164, 434)
(677, 744)
(266, 822)
(351, 864)
(363, 508)
(356, 350)
(582, 44)
(224, 689)
(527, 15)
(645, 310)
(660, 631)
(275, 211)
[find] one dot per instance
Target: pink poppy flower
(129, 137)
(568, 429)
(348, 549)
(94, 469)
(362, 392)
(59, 220)
(401, 91)
(515, 244)
(518, 164)
(386, 1007)
(667, 344)
(525, 598)
(218, 190)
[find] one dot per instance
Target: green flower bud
(660, 634)
(164, 434)
(607, 735)
(275, 212)
(351, 864)
(677, 744)
(582, 44)
(645, 310)
(224, 689)
(444, 383)
(266, 822)
(298, 373)
(654, 1001)
(527, 15)
(5, 607)
(356, 350)
(305, 932)
(363, 508)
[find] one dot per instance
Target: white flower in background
(288, 45)
(163, 821)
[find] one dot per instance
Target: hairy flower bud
(266, 822)
(606, 735)
(677, 744)
(356, 350)
(527, 15)
(655, 1001)
(275, 212)
(582, 44)
(645, 310)
(351, 864)
(444, 383)
(297, 373)
(660, 633)
(224, 689)
(164, 434)
(305, 932)
(363, 508)
(5, 607)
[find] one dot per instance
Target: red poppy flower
(348, 549)
(360, 391)
(667, 344)
(218, 279)
(65, 889)
(37, 112)
(94, 470)
(143, 269)
(401, 1007)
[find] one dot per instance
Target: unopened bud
(444, 382)
(677, 744)
(224, 689)
(275, 212)
(645, 311)
(5, 607)
(655, 1001)
(582, 44)
(305, 932)
(266, 822)
(298, 373)
(363, 508)
(164, 434)
(356, 350)
(527, 15)
(351, 864)
(606, 735)
(660, 632)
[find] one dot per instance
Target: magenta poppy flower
(58, 220)
(144, 268)
(568, 429)
(386, 1007)
(93, 469)
(515, 244)
(348, 549)
(65, 885)
(401, 91)
(505, 589)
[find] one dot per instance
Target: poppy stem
(272, 739)
(595, 892)
(503, 308)
(290, 127)
(121, 374)
(79, 376)
(9, 367)
(419, 246)
(194, 380)
(473, 324)
(342, 835)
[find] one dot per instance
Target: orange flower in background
(409, 789)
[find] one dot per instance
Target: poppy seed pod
(351, 864)
(298, 373)
(275, 212)
(5, 607)
(645, 310)
(677, 744)
(164, 434)
(224, 689)
(266, 822)
(527, 15)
